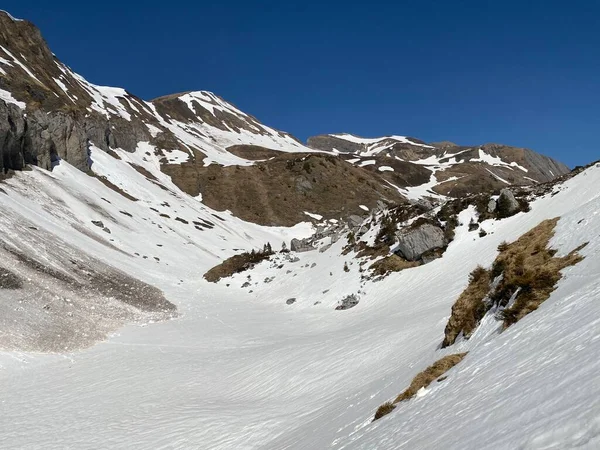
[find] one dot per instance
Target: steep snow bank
(244, 369)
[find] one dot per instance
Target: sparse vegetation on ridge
(391, 263)
(238, 263)
(422, 380)
(528, 269)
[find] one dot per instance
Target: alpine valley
(176, 274)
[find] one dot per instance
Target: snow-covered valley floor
(241, 370)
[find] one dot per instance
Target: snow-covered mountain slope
(240, 368)
(109, 249)
(56, 114)
(32, 79)
(452, 170)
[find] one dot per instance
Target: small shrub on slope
(529, 269)
(238, 263)
(422, 380)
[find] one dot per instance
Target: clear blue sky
(524, 73)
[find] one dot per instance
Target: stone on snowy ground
(507, 204)
(413, 243)
(349, 302)
(300, 245)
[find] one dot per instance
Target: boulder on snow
(507, 205)
(414, 242)
(300, 245)
(354, 221)
(491, 205)
(349, 302)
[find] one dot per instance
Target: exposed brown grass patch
(391, 263)
(109, 185)
(422, 380)
(425, 378)
(469, 309)
(533, 269)
(528, 268)
(143, 171)
(365, 251)
(236, 264)
(384, 410)
(113, 154)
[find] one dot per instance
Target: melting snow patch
(21, 65)
(496, 161)
(177, 156)
(314, 216)
(154, 131)
(368, 162)
(497, 177)
(386, 169)
(8, 98)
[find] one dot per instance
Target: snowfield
(241, 369)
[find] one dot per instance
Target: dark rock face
(59, 120)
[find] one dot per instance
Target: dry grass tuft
(391, 263)
(109, 185)
(533, 269)
(469, 309)
(237, 263)
(422, 380)
(425, 378)
(527, 266)
(384, 410)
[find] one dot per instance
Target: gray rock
(303, 185)
(290, 301)
(325, 248)
(507, 204)
(354, 221)
(492, 205)
(300, 245)
(416, 241)
(349, 302)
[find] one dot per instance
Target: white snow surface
(8, 98)
(243, 370)
(360, 140)
(11, 16)
(496, 161)
(314, 216)
(18, 62)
